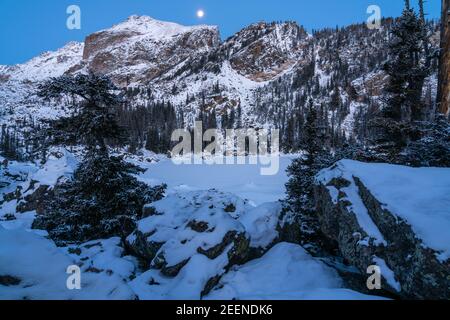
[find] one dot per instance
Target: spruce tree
(302, 171)
(407, 68)
(104, 198)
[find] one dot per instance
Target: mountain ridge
(266, 73)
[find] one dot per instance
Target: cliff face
(444, 77)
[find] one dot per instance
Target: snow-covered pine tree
(432, 149)
(302, 171)
(93, 120)
(407, 69)
(104, 198)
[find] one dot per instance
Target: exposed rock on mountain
(262, 51)
(141, 49)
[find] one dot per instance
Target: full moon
(200, 13)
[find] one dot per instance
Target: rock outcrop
(29, 186)
(375, 216)
(184, 229)
(35, 200)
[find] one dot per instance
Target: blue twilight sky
(30, 27)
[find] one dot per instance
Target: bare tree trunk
(444, 73)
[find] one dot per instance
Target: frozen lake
(243, 180)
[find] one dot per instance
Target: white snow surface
(286, 271)
(387, 273)
(420, 196)
(59, 164)
(243, 180)
(261, 222)
(155, 29)
(41, 268)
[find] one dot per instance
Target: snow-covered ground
(40, 268)
(286, 272)
(32, 267)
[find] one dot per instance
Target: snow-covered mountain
(267, 70)
(142, 49)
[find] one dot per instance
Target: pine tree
(94, 119)
(303, 170)
(433, 146)
(406, 67)
(104, 198)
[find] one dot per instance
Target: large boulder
(189, 231)
(261, 223)
(395, 217)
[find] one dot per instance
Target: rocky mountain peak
(156, 29)
(142, 48)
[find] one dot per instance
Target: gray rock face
(418, 273)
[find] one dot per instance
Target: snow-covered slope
(46, 65)
(154, 29)
(39, 271)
